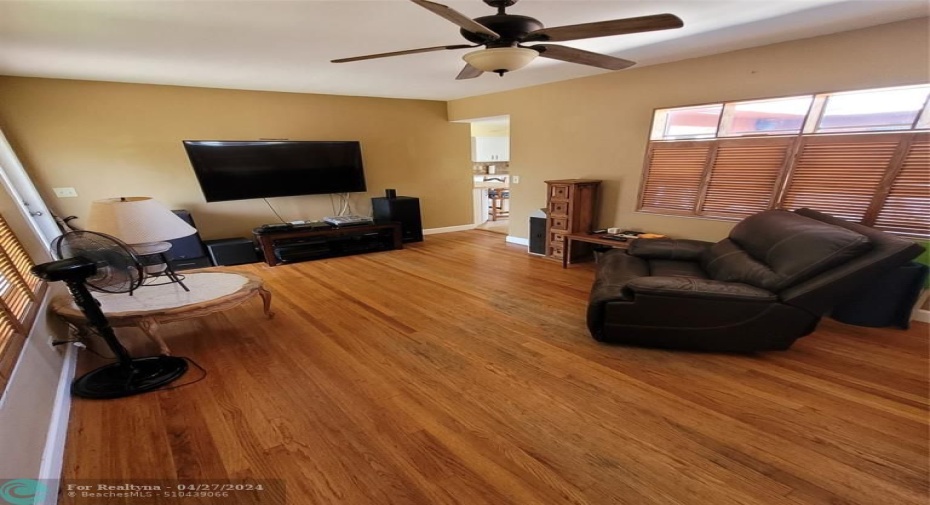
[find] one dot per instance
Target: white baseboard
(54, 454)
(921, 315)
(448, 229)
(518, 240)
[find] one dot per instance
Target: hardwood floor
(459, 370)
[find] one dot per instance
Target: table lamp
(141, 222)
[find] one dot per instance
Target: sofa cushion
(668, 249)
(727, 261)
(782, 249)
(672, 268)
(698, 288)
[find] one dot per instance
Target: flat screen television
(239, 170)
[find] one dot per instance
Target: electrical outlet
(65, 192)
(515, 179)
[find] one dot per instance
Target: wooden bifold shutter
(744, 175)
(674, 172)
(19, 290)
(840, 174)
(906, 209)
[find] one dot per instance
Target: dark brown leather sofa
(762, 288)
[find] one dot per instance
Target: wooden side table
(590, 238)
(151, 306)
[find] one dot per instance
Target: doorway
(490, 171)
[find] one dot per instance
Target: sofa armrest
(687, 287)
(668, 249)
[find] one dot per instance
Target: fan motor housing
(499, 4)
(511, 27)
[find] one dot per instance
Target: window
(19, 291)
(874, 110)
(687, 123)
(765, 117)
(862, 156)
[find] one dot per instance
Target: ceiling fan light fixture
(501, 59)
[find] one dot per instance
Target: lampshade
(500, 59)
(136, 220)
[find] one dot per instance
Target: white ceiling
(287, 45)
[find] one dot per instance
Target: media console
(302, 243)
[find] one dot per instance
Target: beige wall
(109, 139)
(597, 127)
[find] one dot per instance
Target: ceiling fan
(503, 36)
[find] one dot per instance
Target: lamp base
(140, 376)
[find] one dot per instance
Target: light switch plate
(515, 179)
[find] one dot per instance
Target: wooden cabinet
(310, 242)
(490, 149)
(571, 205)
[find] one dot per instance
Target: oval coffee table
(150, 306)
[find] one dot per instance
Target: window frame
(646, 203)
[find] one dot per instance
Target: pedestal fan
(99, 261)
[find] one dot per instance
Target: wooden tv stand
(291, 245)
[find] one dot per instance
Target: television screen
(238, 170)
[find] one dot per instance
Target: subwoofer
(402, 209)
(538, 235)
(232, 251)
(187, 252)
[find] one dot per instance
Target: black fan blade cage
(118, 268)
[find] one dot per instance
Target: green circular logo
(22, 492)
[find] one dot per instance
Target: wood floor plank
(459, 371)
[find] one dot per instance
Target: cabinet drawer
(558, 223)
(555, 249)
(558, 208)
(560, 192)
(557, 237)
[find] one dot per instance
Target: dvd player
(347, 220)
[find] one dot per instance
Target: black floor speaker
(538, 235)
(232, 251)
(403, 209)
(187, 252)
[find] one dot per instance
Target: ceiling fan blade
(401, 53)
(457, 17)
(572, 55)
(469, 72)
(606, 28)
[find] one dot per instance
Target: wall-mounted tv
(238, 170)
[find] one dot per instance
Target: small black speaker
(231, 251)
(403, 209)
(390, 193)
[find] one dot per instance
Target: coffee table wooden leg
(150, 328)
(266, 301)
